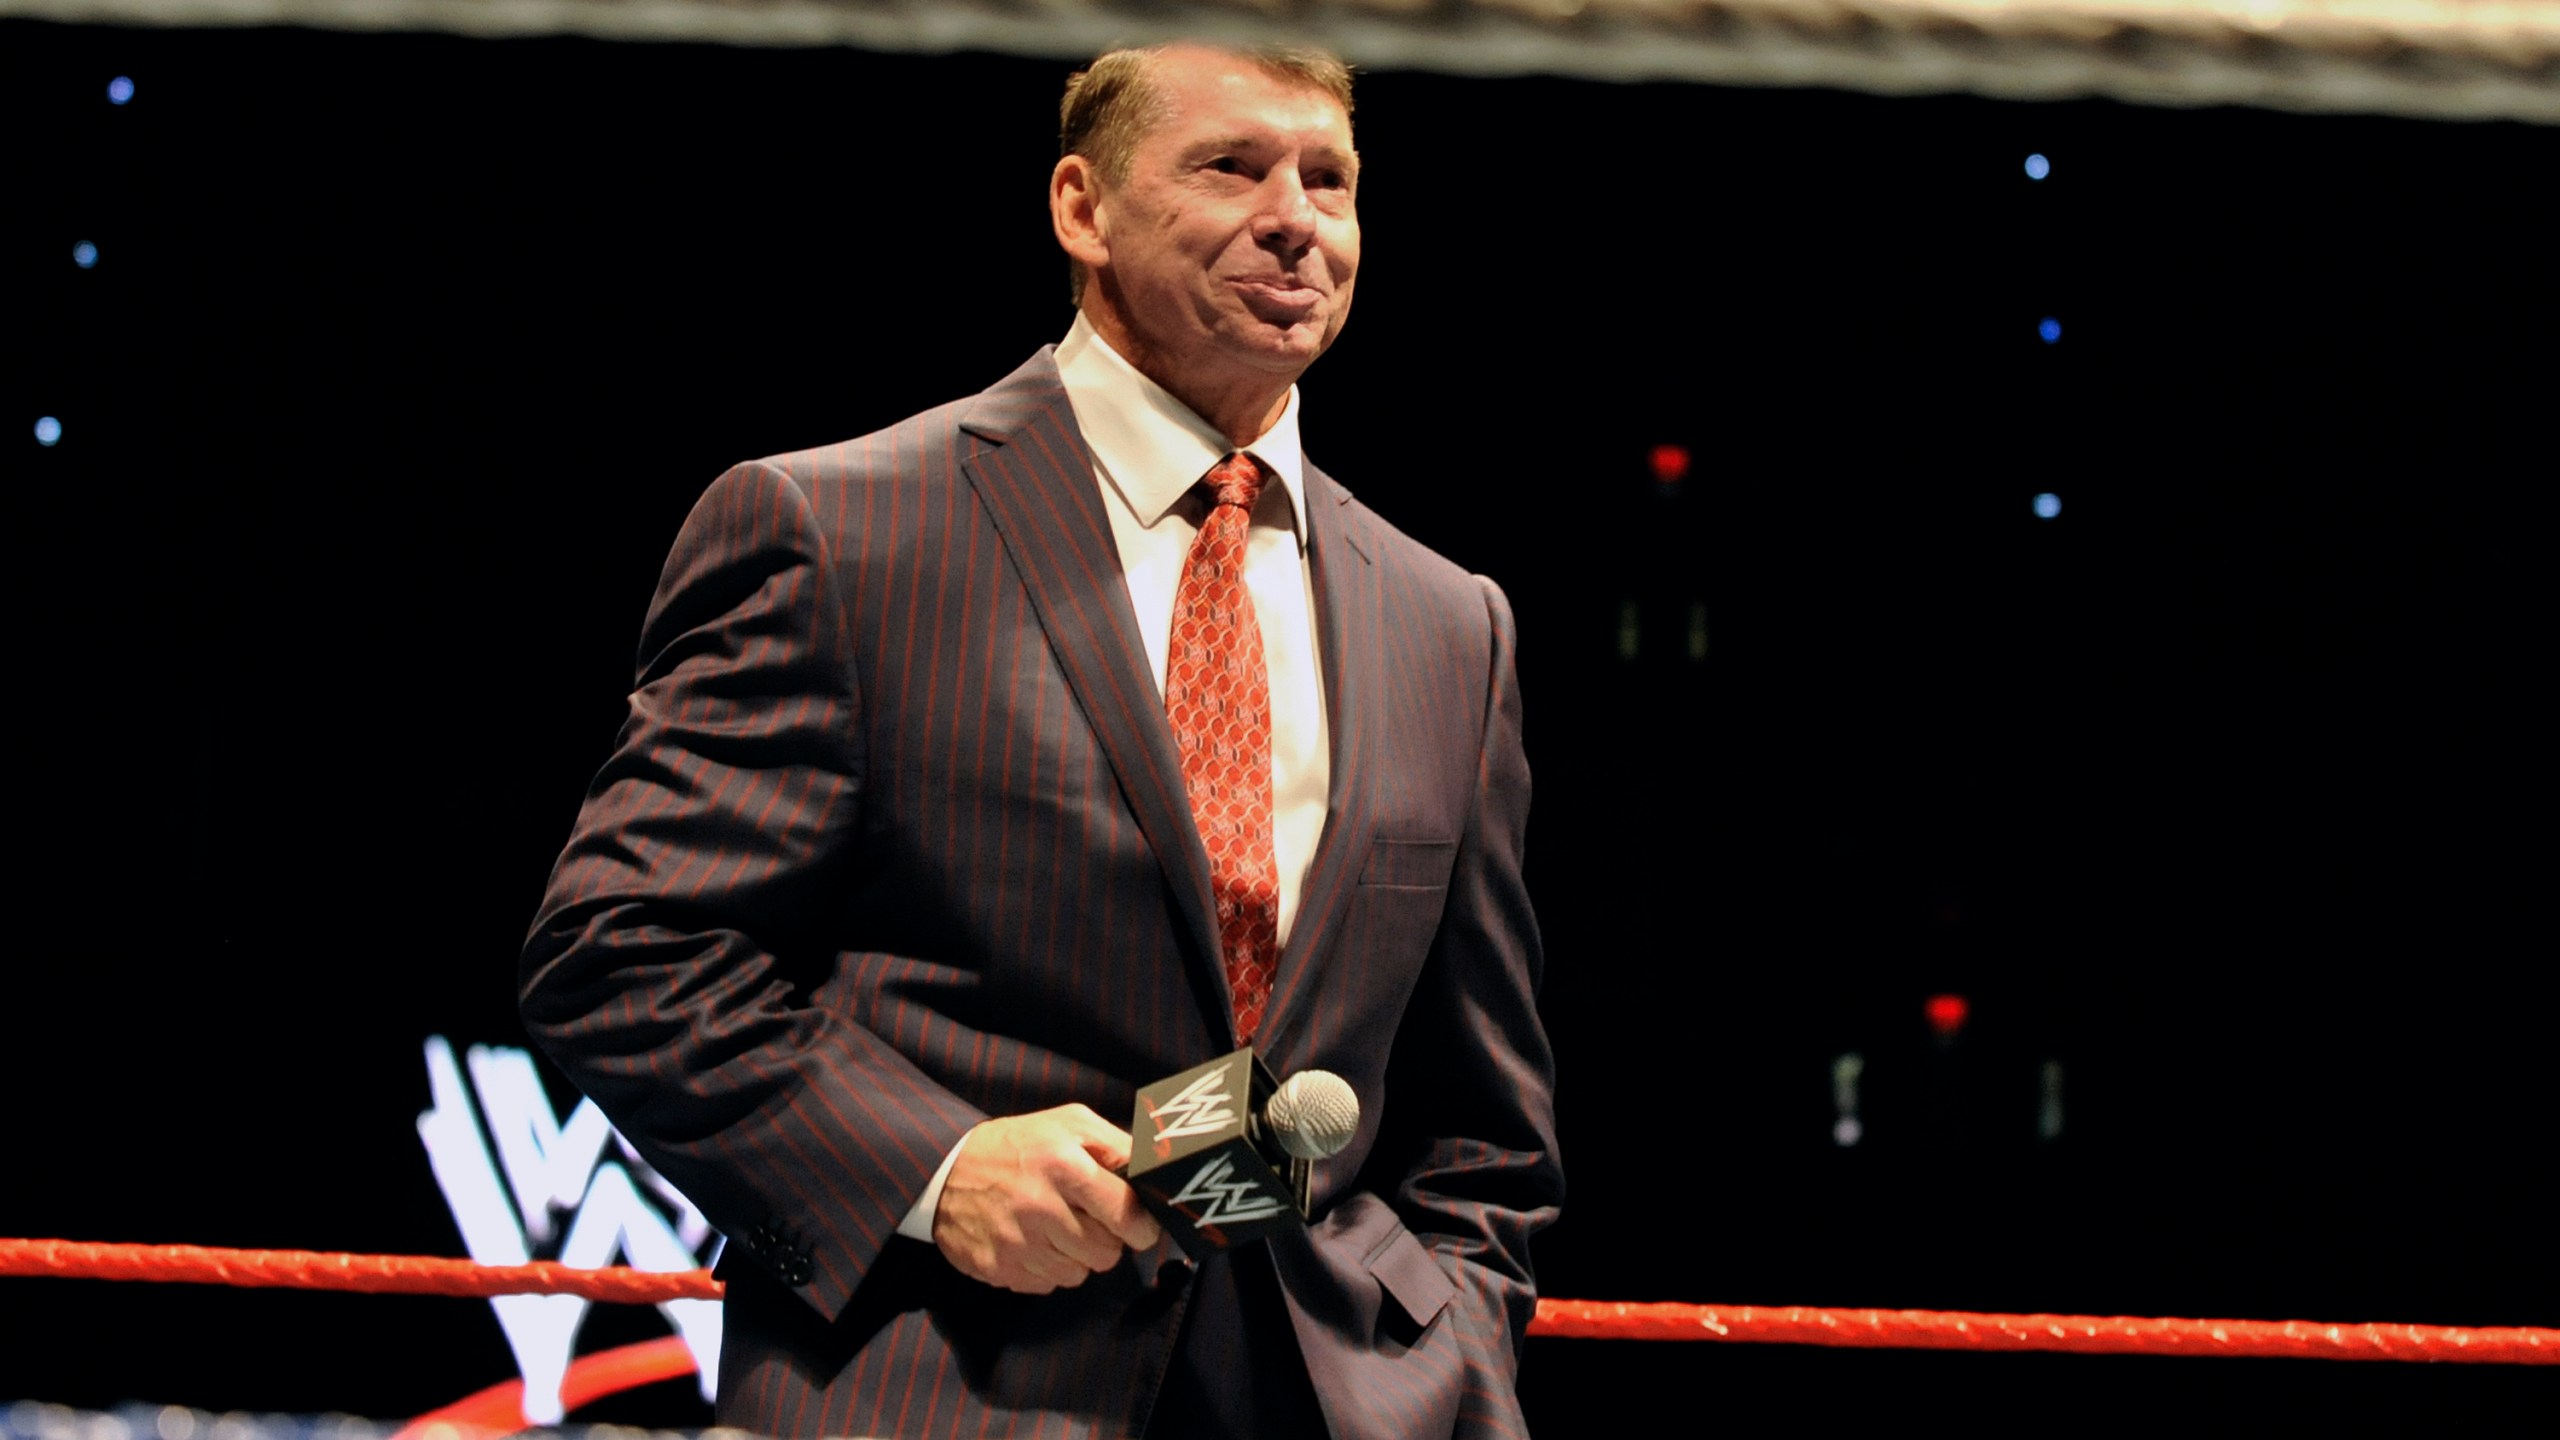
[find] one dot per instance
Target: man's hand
(1031, 1203)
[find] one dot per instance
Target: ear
(1075, 211)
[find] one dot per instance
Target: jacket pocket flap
(1409, 862)
(1405, 1270)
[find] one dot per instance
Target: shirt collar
(1150, 446)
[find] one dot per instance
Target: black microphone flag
(1201, 1162)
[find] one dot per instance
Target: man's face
(1233, 240)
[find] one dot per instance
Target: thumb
(1108, 1197)
(1107, 1143)
(1111, 1200)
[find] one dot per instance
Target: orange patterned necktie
(1218, 697)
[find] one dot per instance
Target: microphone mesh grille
(1314, 1114)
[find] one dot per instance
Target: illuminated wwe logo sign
(571, 1193)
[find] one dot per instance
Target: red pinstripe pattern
(895, 838)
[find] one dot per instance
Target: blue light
(2050, 329)
(48, 430)
(84, 254)
(119, 90)
(2048, 505)
(2038, 167)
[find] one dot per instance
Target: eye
(1227, 165)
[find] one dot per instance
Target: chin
(1296, 345)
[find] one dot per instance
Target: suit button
(796, 1270)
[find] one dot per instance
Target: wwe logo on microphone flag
(1226, 1201)
(1202, 1107)
(575, 1192)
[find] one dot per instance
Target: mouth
(1278, 299)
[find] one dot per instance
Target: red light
(1947, 1014)
(1670, 463)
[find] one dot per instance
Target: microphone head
(1313, 1114)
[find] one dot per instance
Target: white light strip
(2466, 59)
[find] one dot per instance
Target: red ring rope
(1573, 1319)
(499, 1410)
(323, 1270)
(2085, 1334)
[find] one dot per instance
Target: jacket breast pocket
(1409, 864)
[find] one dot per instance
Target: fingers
(1028, 1206)
(1080, 1236)
(1042, 1271)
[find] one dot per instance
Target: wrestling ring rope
(1570, 1319)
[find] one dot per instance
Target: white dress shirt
(1149, 451)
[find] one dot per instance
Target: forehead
(1208, 91)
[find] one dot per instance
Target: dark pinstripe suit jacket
(895, 839)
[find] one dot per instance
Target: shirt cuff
(919, 1222)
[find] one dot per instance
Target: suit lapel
(1036, 480)
(1349, 614)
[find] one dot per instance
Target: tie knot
(1236, 480)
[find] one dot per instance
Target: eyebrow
(1326, 154)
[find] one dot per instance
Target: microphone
(1218, 1173)
(1313, 1114)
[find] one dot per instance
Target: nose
(1285, 224)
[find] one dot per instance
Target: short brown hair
(1112, 103)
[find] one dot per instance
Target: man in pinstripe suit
(891, 890)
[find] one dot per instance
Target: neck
(1240, 407)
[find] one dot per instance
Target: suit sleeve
(679, 965)
(1474, 1077)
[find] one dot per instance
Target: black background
(406, 355)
